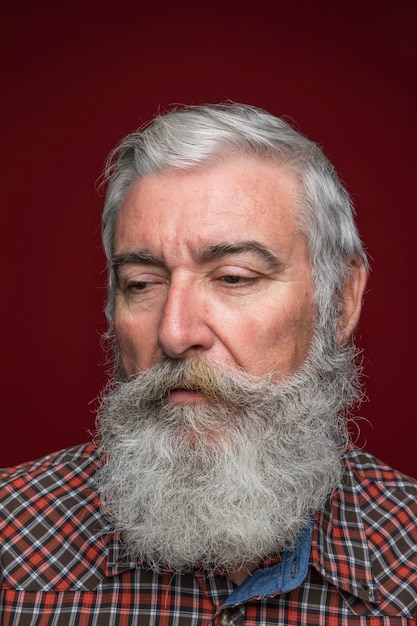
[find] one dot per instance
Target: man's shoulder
(61, 481)
(387, 498)
(54, 470)
(367, 536)
(51, 523)
(368, 471)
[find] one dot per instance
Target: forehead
(241, 198)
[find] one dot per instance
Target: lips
(184, 394)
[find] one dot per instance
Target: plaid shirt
(61, 564)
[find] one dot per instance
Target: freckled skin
(237, 309)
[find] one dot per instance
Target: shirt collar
(340, 551)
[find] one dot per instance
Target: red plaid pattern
(62, 565)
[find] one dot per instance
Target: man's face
(212, 263)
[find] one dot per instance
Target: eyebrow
(135, 257)
(203, 254)
(221, 250)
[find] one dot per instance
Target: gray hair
(197, 136)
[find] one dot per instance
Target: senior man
(222, 487)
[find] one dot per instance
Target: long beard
(226, 482)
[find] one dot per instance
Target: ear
(351, 302)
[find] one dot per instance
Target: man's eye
(234, 279)
(138, 286)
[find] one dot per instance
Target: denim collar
(281, 578)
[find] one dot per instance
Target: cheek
(137, 343)
(281, 341)
(127, 350)
(128, 339)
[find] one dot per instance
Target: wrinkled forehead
(224, 163)
(237, 194)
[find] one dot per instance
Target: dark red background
(80, 75)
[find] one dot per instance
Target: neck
(240, 574)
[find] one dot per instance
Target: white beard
(223, 483)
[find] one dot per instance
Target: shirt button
(225, 618)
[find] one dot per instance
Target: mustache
(217, 383)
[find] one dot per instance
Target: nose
(184, 326)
